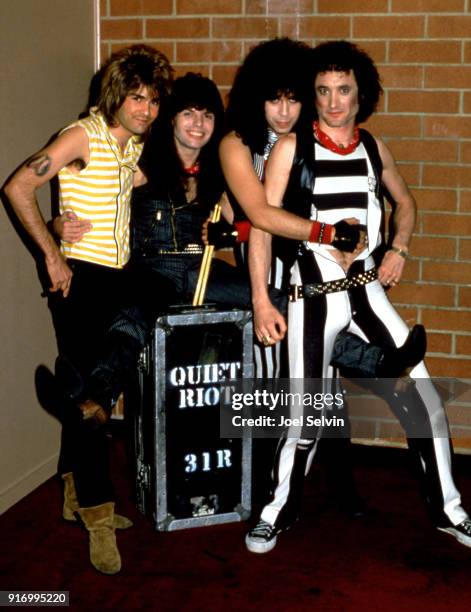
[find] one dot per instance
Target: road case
(187, 476)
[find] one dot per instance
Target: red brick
(165, 47)
(465, 250)
(224, 75)
(316, 27)
(447, 127)
(447, 176)
(121, 29)
(411, 272)
(467, 102)
(362, 430)
(214, 7)
(409, 315)
(448, 366)
(467, 52)
(352, 6)
(376, 49)
(224, 91)
(277, 7)
(104, 52)
(177, 28)
(388, 27)
(426, 246)
(103, 9)
(459, 415)
(465, 157)
(462, 393)
(430, 295)
(424, 150)
(141, 7)
(450, 272)
(221, 51)
(400, 76)
(424, 52)
(465, 201)
(438, 343)
(410, 173)
(436, 199)
(465, 297)
(423, 101)
(463, 346)
(385, 125)
(446, 26)
(391, 434)
(427, 6)
(447, 320)
(461, 440)
(182, 69)
(454, 78)
(368, 407)
(248, 27)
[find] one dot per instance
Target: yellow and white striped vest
(101, 193)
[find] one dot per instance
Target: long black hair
(272, 68)
(160, 161)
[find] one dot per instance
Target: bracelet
(320, 233)
(402, 252)
(243, 230)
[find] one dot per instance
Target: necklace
(193, 170)
(328, 143)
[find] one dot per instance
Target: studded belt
(189, 249)
(298, 292)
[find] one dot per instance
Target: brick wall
(423, 51)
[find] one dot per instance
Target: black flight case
(187, 476)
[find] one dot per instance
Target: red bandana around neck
(193, 170)
(328, 143)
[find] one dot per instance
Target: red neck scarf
(328, 143)
(193, 170)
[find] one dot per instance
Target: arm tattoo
(39, 163)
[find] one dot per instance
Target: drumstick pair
(203, 275)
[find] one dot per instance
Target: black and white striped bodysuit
(345, 187)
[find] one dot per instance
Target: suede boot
(71, 505)
(104, 553)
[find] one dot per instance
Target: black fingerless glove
(346, 236)
(221, 234)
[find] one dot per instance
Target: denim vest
(164, 227)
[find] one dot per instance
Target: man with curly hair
(269, 99)
(332, 170)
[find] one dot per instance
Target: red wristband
(321, 232)
(243, 230)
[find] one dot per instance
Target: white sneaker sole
(259, 547)
(462, 539)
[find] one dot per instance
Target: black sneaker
(262, 537)
(461, 532)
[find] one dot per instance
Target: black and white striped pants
(313, 325)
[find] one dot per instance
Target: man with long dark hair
(269, 99)
(95, 160)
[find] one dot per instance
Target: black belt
(297, 292)
(189, 249)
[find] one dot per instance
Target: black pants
(81, 321)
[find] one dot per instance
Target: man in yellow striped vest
(95, 160)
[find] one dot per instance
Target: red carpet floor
(391, 560)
